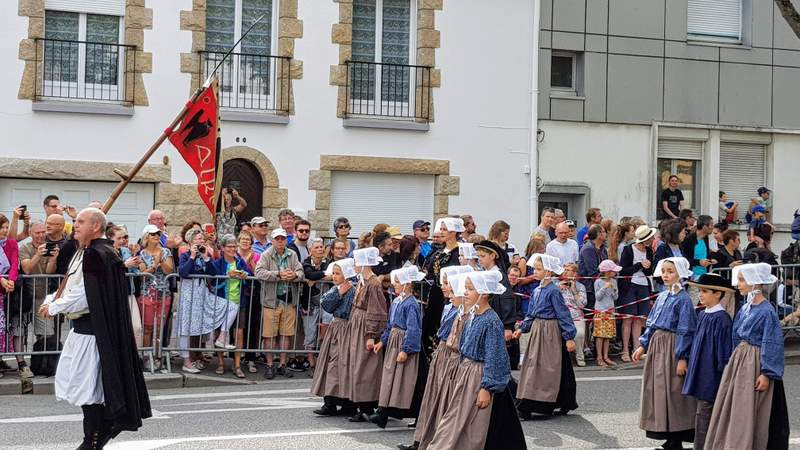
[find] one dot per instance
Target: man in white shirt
(562, 247)
(546, 223)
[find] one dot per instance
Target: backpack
(791, 255)
(45, 365)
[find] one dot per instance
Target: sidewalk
(12, 385)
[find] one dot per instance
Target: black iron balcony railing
(84, 71)
(250, 82)
(386, 90)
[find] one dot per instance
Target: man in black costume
(99, 368)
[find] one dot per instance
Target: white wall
(482, 109)
(614, 160)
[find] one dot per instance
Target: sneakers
(588, 354)
(25, 372)
(190, 369)
(220, 344)
(282, 370)
(269, 373)
(294, 366)
(581, 363)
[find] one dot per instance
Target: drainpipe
(533, 151)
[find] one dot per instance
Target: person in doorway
(232, 206)
(671, 198)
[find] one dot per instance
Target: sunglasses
(157, 233)
(341, 227)
(260, 225)
(125, 237)
(424, 229)
(303, 231)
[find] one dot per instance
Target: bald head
(89, 225)
(54, 226)
(562, 232)
(95, 204)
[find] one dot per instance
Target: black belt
(83, 325)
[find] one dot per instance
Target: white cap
(467, 250)
(457, 283)
(681, 265)
(367, 257)
(278, 232)
(450, 224)
(347, 266)
(406, 275)
(753, 274)
(487, 281)
(549, 263)
(450, 271)
(149, 228)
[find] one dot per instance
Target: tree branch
(789, 14)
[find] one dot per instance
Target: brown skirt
(397, 383)
(438, 390)
(741, 414)
(364, 365)
(540, 378)
(663, 407)
(464, 426)
(332, 376)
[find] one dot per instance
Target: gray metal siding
(639, 65)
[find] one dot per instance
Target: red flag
(197, 140)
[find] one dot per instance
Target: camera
(50, 246)
(23, 208)
(201, 249)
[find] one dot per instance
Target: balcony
(386, 95)
(80, 76)
(252, 88)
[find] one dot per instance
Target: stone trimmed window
(256, 80)
(386, 67)
(85, 60)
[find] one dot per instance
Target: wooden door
(243, 176)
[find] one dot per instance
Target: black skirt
(566, 399)
(505, 431)
(778, 419)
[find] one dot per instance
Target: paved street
(278, 415)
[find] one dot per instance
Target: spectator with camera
(20, 213)
(232, 206)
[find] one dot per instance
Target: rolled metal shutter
(680, 149)
(721, 18)
(109, 7)
(742, 170)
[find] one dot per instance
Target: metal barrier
(31, 335)
(784, 294)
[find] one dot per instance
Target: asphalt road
(278, 415)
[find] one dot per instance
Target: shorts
(41, 327)
(310, 328)
(631, 303)
(604, 326)
(280, 320)
(151, 304)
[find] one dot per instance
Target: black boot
(326, 410)
(380, 419)
(93, 427)
(413, 446)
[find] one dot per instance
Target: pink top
(11, 248)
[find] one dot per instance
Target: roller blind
(742, 170)
(720, 18)
(367, 199)
(109, 7)
(679, 149)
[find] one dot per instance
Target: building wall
(639, 66)
(482, 109)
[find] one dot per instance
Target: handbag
(136, 319)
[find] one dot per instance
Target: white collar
(715, 308)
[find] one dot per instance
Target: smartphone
(50, 246)
(23, 208)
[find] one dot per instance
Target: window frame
(386, 105)
(574, 57)
(81, 84)
(718, 39)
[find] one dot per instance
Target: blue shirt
(406, 315)
(425, 249)
(548, 303)
(447, 323)
(711, 349)
(483, 341)
(338, 305)
(673, 313)
(758, 325)
(581, 236)
(700, 252)
(260, 248)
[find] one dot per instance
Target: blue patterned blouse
(759, 326)
(338, 305)
(548, 303)
(447, 323)
(674, 313)
(483, 341)
(406, 315)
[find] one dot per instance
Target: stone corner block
(447, 185)
(322, 200)
(431, 4)
(168, 194)
(440, 204)
(290, 27)
(276, 198)
(193, 20)
(190, 62)
(319, 180)
(338, 75)
(342, 33)
(320, 219)
(31, 8)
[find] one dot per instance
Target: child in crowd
(750, 408)
(606, 294)
(402, 339)
(484, 369)
(711, 349)
(547, 381)
(665, 412)
(332, 375)
(574, 294)
(727, 208)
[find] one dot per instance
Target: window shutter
(741, 172)
(679, 149)
(367, 199)
(722, 18)
(108, 7)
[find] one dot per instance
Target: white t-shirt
(566, 252)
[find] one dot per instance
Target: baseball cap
(278, 232)
(420, 224)
(763, 189)
(570, 223)
(258, 219)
